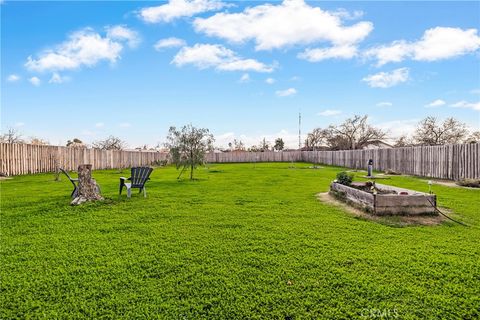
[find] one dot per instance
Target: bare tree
(236, 145)
(431, 132)
(353, 133)
(403, 141)
(110, 143)
(264, 145)
(188, 147)
(474, 137)
(11, 136)
(76, 143)
(315, 139)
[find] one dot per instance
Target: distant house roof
(378, 144)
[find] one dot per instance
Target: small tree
(188, 147)
(110, 143)
(75, 143)
(279, 144)
(431, 132)
(11, 136)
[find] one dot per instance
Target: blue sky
(241, 69)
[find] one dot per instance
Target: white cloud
(337, 52)
(57, 78)
(387, 79)
(205, 56)
(124, 125)
(345, 14)
(13, 78)
(435, 104)
(124, 34)
(244, 78)
(436, 44)
(384, 104)
(475, 91)
(19, 124)
(171, 42)
(295, 78)
(286, 93)
(82, 48)
(329, 113)
(35, 81)
(99, 125)
(293, 22)
(467, 105)
(175, 9)
(270, 80)
(397, 128)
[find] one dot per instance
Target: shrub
(344, 178)
(472, 183)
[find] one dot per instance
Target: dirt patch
(5, 178)
(395, 221)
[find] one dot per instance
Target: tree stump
(88, 189)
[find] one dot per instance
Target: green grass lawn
(238, 243)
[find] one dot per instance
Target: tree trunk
(88, 189)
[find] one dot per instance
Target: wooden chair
(139, 176)
(73, 181)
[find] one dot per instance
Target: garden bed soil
(394, 221)
(387, 201)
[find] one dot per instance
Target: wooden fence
(445, 162)
(16, 159)
(452, 162)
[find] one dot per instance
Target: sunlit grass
(239, 242)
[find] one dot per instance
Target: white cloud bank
(468, 105)
(387, 79)
(175, 9)
(290, 139)
(329, 113)
(435, 104)
(123, 33)
(293, 22)
(436, 44)
(84, 48)
(337, 52)
(216, 56)
(286, 93)
(167, 43)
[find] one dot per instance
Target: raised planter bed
(387, 201)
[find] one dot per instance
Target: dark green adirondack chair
(139, 176)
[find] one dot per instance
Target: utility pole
(299, 130)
